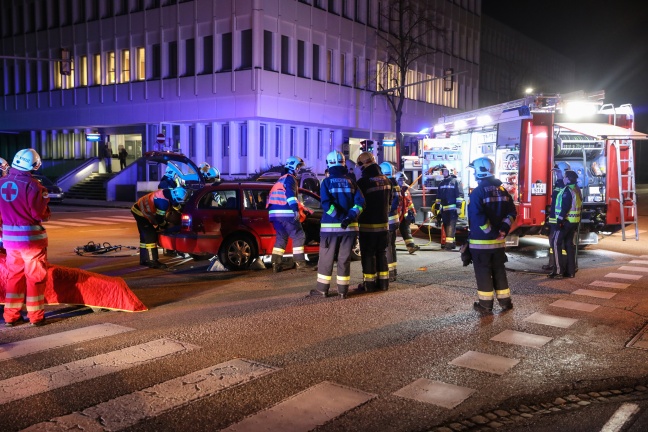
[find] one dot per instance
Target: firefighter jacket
(24, 206)
(341, 199)
(283, 202)
(377, 191)
(450, 194)
(155, 206)
(569, 204)
(395, 206)
(558, 186)
(490, 210)
(407, 204)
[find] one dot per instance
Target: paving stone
(616, 392)
(594, 394)
(605, 393)
(554, 409)
(583, 396)
(601, 399)
(495, 425)
(641, 388)
(574, 405)
(584, 403)
(535, 408)
(468, 424)
(524, 409)
(443, 429)
(546, 405)
(502, 413)
(572, 398)
(527, 415)
(458, 427)
(480, 419)
(559, 401)
(491, 416)
(514, 412)
(627, 390)
(517, 418)
(544, 411)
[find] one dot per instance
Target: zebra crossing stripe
(34, 383)
(128, 410)
(60, 223)
(634, 268)
(30, 346)
(623, 276)
(306, 410)
(605, 284)
(638, 262)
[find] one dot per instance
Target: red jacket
(23, 206)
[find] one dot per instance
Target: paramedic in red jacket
(24, 206)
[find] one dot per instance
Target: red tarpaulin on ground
(79, 287)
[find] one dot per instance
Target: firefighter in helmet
(388, 170)
(284, 213)
(449, 202)
(4, 170)
(24, 205)
(491, 214)
(170, 179)
(567, 212)
(152, 213)
(342, 203)
(212, 175)
(374, 224)
(558, 184)
(407, 213)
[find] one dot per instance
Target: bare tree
(407, 31)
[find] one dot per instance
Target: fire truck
(526, 137)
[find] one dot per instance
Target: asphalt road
(414, 358)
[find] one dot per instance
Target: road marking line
(33, 383)
(30, 346)
(306, 410)
(63, 224)
(633, 268)
(97, 221)
(638, 262)
(620, 417)
(521, 338)
(112, 218)
(605, 284)
(568, 304)
(485, 362)
(435, 393)
(623, 276)
(130, 409)
(550, 320)
(594, 293)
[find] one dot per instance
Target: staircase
(92, 188)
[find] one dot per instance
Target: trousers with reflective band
(26, 281)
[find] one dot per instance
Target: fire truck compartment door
(603, 131)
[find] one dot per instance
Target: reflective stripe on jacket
(450, 194)
(340, 197)
(569, 204)
(153, 206)
(377, 190)
(490, 210)
(282, 201)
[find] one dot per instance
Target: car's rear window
(220, 199)
(255, 199)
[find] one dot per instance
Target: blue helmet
(179, 195)
(387, 169)
(335, 158)
(293, 163)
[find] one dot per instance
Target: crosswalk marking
(521, 338)
(634, 268)
(485, 362)
(606, 284)
(30, 384)
(594, 293)
(567, 304)
(623, 276)
(30, 346)
(112, 218)
(550, 320)
(63, 223)
(306, 410)
(128, 410)
(436, 393)
(638, 262)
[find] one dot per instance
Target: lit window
(125, 66)
(83, 71)
(97, 69)
(141, 64)
(110, 71)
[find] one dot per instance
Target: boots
(149, 258)
(301, 266)
(411, 248)
(277, 267)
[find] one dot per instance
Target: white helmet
(335, 158)
(365, 159)
(293, 163)
(4, 166)
(387, 169)
(401, 179)
(561, 167)
(26, 160)
(204, 167)
(212, 175)
(179, 195)
(483, 167)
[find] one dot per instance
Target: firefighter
(374, 224)
(170, 179)
(558, 184)
(567, 212)
(283, 204)
(407, 213)
(151, 212)
(24, 205)
(4, 170)
(388, 169)
(449, 202)
(491, 213)
(342, 203)
(212, 175)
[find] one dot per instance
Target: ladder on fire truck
(627, 187)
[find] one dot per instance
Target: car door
(255, 217)
(217, 214)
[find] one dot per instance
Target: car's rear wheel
(237, 252)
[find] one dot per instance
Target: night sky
(608, 41)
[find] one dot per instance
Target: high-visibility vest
(147, 207)
(574, 214)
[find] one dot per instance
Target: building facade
(240, 84)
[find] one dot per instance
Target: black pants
(373, 251)
(391, 253)
(148, 239)
(449, 219)
(491, 276)
(564, 238)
